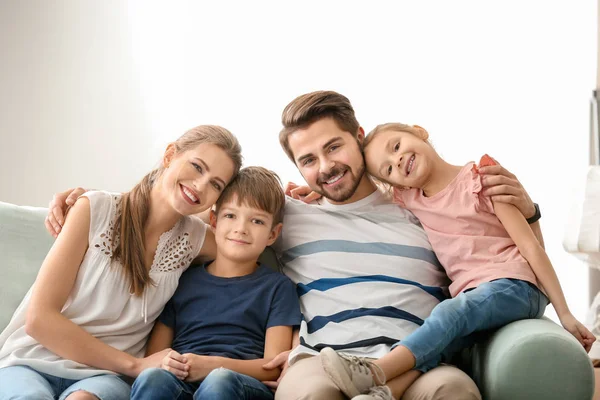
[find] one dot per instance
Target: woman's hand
(152, 361)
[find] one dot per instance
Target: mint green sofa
(528, 360)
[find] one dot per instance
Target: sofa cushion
(24, 244)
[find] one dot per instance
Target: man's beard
(340, 194)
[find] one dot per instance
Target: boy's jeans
(450, 326)
(22, 382)
(221, 383)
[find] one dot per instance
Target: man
(365, 271)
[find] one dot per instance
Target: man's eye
(307, 161)
(396, 147)
(389, 171)
(334, 147)
(198, 167)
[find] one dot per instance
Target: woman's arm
(44, 321)
(519, 230)
(277, 340)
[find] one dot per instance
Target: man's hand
(504, 187)
(280, 361)
(57, 209)
(176, 364)
(577, 329)
(303, 193)
(199, 366)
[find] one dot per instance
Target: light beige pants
(306, 380)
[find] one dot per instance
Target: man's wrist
(536, 215)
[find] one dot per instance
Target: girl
(108, 275)
(496, 264)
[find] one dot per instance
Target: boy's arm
(277, 340)
(161, 338)
(519, 230)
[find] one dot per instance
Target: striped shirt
(365, 272)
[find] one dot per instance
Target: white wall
(92, 91)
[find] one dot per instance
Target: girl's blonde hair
(129, 235)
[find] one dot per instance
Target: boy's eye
(198, 167)
(228, 215)
(258, 221)
(389, 171)
(397, 147)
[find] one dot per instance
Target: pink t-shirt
(465, 233)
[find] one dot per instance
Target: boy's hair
(311, 107)
(128, 235)
(257, 187)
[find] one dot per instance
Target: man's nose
(326, 165)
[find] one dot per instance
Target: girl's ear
(170, 152)
(421, 132)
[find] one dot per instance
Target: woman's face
(193, 180)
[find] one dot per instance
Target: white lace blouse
(100, 301)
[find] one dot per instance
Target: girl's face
(193, 180)
(400, 158)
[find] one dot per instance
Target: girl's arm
(44, 321)
(277, 340)
(161, 338)
(519, 230)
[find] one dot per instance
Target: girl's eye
(198, 167)
(396, 147)
(389, 171)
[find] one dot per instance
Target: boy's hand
(577, 329)
(303, 193)
(280, 361)
(57, 209)
(175, 363)
(199, 366)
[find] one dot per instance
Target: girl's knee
(81, 395)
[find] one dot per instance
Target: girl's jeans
(451, 324)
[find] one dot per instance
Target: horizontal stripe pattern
(365, 272)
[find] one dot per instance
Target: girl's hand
(176, 364)
(504, 187)
(302, 193)
(577, 329)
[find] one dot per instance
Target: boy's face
(329, 159)
(242, 232)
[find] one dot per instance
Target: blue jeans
(221, 383)
(452, 324)
(22, 382)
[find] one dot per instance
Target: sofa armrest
(531, 359)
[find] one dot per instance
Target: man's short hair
(256, 187)
(311, 107)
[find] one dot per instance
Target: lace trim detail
(106, 244)
(175, 254)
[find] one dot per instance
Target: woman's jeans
(22, 382)
(451, 324)
(221, 383)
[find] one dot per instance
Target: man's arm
(277, 340)
(57, 209)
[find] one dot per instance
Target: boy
(229, 316)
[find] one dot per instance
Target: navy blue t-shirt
(229, 317)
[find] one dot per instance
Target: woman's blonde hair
(129, 235)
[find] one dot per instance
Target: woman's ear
(170, 152)
(421, 132)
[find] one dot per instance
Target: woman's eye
(198, 167)
(217, 186)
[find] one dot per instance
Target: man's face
(329, 159)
